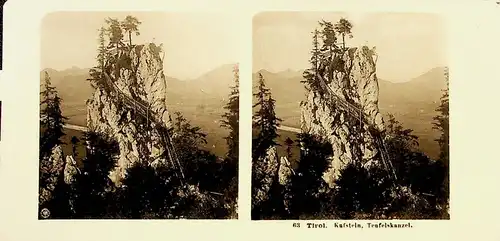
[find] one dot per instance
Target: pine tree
(91, 184)
(115, 33)
(328, 35)
(130, 25)
(96, 73)
(343, 27)
(102, 51)
(231, 118)
(265, 121)
(51, 119)
(441, 123)
(310, 74)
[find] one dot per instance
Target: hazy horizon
(194, 43)
(167, 75)
(408, 44)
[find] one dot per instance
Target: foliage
(328, 35)
(309, 75)
(74, 143)
(304, 188)
(442, 123)
(289, 144)
(413, 168)
(203, 168)
(102, 52)
(343, 27)
(265, 121)
(361, 190)
(114, 32)
(148, 193)
(90, 191)
(51, 119)
(230, 119)
(129, 25)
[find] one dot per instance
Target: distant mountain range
(200, 100)
(412, 102)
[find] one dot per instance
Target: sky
(408, 44)
(194, 43)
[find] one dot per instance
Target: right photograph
(350, 116)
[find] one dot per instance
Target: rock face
(266, 172)
(285, 171)
(137, 74)
(50, 171)
(70, 170)
(353, 79)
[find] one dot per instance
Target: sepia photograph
(350, 116)
(139, 116)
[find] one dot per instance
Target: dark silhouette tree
(230, 119)
(52, 129)
(92, 186)
(265, 120)
(309, 74)
(148, 193)
(289, 143)
(343, 27)
(74, 143)
(328, 36)
(265, 128)
(303, 191)
(360, 190)
(102, 53)
(129, 25)
(201, 166)
(442, 124)
(423, 176)
(96, 73)
(51, 119)
(115, 33)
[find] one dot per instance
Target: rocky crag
(350, 76)
(270, 169)
(137, 73)
(54, 170)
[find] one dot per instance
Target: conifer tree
(102, 51)
(265, 121)
(96, 73)
(129, 25)
(115, 33)
(310, 73)
(441, 123)
(231, 117)
(51, 119)
(91, 184)
(343, 27)
(328, 35)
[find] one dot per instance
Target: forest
(293, 187)
(78, 186)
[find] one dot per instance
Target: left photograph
(138, 116)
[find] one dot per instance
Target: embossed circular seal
(45, 213)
